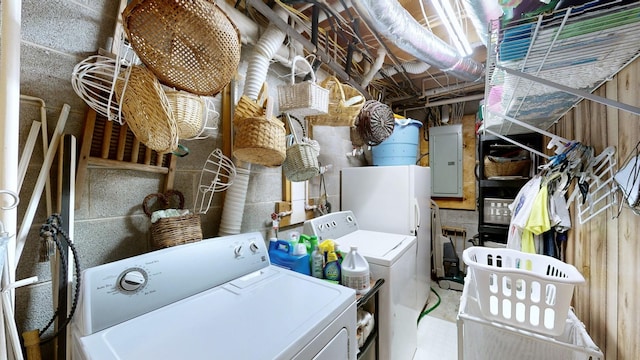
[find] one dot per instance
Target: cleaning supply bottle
(317, 263)
(332, 267)
(355, 271)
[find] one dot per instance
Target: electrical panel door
(445, 160)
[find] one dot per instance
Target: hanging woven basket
(147, 111)
(375, 122)
(260, 140)
(345, 104)
(304, 98)
(190, 45)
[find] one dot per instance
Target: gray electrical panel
(445, 160)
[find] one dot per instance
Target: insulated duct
(481, 13)
(394, 22)
(412, 67)
(259, 60)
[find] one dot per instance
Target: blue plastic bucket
(401, 147)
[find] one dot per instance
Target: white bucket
(355, 271)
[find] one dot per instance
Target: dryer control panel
(116, 292)
(331, 226)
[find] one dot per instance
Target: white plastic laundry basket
(529, 291)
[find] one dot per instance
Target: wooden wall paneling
(597, 232)
(580, 233)
(608, 344)
(629, 226)
(468, 201)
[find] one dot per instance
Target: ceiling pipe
(481, 12)
(396, 24)
(262, 8)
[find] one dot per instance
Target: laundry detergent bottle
(332, 267)
(355, 271)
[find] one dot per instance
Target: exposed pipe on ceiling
(9, 131)
(397, 25)
(481, 13)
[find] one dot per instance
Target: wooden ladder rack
(109, 144)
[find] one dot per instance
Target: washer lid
(270, 314)
(377, 247)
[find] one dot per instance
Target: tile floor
(437, 331)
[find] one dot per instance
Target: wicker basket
(188, 110)
(248, 107)
(305, 98)
(301, 163)
(147, 111)
(345, 104)
(260, 140)
(375, 122)
(171, 231)
(189, 45)
(506, 168)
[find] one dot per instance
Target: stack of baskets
(179, 44)
(175, 230)
(528, 291)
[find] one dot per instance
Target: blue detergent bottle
(284, 254)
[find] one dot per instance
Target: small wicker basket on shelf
(506, 168)
(171, 231)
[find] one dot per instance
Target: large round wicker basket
(189, 45)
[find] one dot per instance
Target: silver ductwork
(390, 19)
(481, 13)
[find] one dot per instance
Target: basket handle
(293, 68)
(163, 201)
(332, 79)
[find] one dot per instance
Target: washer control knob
(132, 280)
(237, 251)
(253, 247)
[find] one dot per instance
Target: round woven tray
(147, 111)
(260, 140)
(190, 45)
(375, 122)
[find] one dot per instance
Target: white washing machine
(215, 299)
(391, 257)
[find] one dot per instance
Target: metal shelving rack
(538, 69)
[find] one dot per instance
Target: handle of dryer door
(416, 219)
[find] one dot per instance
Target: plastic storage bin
(528, 291)
(401, 147)
(480, 339)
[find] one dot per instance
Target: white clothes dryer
(391, 257)
(215, 299)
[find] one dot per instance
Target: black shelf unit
(500, 191)
(362, 301)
